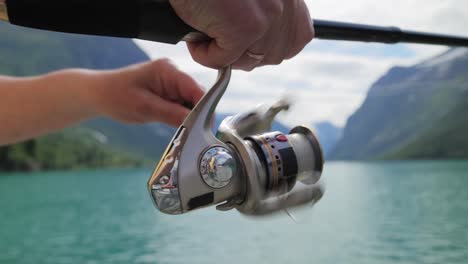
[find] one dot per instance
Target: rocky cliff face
(413, 112)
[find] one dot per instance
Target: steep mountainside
(418, 112)
(328, 135)
(25, 52)
(28, 52)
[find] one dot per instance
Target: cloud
(329, 79)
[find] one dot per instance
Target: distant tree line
(63, 151)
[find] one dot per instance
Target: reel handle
(302, 194)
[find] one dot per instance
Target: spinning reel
(245, 166)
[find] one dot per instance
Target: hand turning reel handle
(244, 167)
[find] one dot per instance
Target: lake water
(408, 212)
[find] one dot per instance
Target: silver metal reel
(199, 169)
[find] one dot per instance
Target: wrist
(103, 87)
(78, 89)
(94, 91)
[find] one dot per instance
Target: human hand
(246, 33)
(35, 106)
(154, 91)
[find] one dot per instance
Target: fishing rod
(245, 166)
(155, 20)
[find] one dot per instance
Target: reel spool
(245, 166)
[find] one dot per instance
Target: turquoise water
(371, 213)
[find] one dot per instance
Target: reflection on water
(371, 213)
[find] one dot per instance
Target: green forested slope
(446, 139)
(69, 149)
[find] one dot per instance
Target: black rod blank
(156, 20)
(333, 30)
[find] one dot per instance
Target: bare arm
(156, 91)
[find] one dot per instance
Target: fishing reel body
(245, 166)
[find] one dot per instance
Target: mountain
(417, 112)
(328, 135)
(145, 141)
(25, 52)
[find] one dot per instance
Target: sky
(329, 80)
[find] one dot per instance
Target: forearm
(35, 106)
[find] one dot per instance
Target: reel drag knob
(217, 167)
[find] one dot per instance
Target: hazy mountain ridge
(26, 52)
(328, 135)
(407, 105)
(146, 141)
